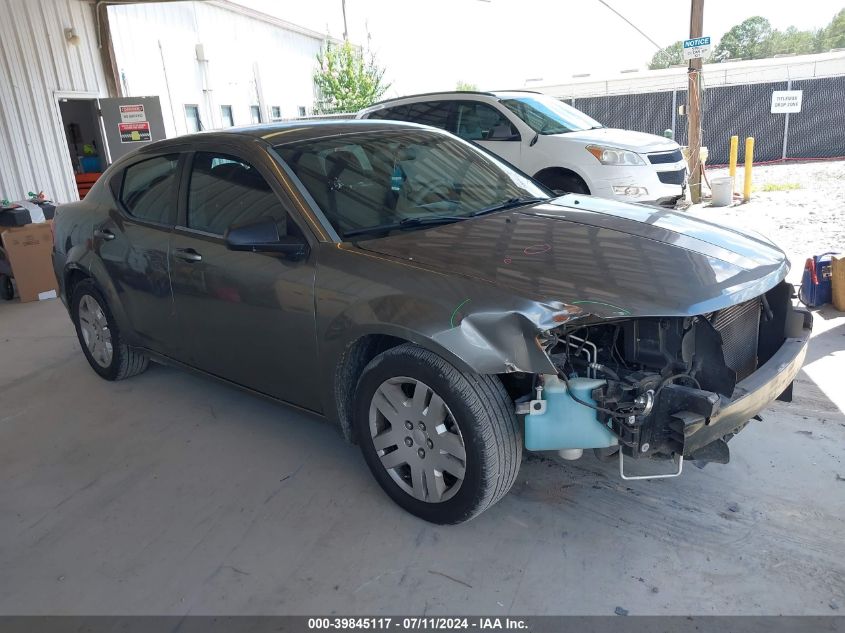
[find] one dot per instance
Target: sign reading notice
(697, 47)
(132, 113)
(134, 132)
(786, 101)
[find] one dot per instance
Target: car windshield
(546, 115)
(375, 182)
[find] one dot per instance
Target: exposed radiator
(739, 326)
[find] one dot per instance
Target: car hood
(610, 259)
(623, 139)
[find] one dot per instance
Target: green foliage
(755, 38)
(781, 186)
(750, 39)
(794, 42)
(833, 35)
(346, 79)
(668, 56)
(465, 86)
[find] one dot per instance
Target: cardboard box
(30, 252)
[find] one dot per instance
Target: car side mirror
(503, 133)
(263, 237)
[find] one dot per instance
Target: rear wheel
(443, 444)
(7, 290)
(99, 336)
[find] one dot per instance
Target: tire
(92, 317)
(7, 290)
(472, 417)
(568, 182)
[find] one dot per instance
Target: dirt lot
(799, 206)
(171, 494)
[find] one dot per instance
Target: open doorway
(100, 131)
(84, 137)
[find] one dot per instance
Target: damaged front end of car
(665, 388)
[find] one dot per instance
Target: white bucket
(722, 191)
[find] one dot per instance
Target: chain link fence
(815, 132)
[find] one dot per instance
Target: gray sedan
(442, 308)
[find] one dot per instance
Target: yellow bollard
(749, 161)
(732, 161)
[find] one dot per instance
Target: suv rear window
(149, 189)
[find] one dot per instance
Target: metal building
(66, 67)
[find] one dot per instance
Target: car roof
(496, 94)
(289, 131)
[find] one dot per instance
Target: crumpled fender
(497, 343)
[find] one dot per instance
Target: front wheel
(442, 443)
(564, 181)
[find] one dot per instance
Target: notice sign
(786, 101)
(697, 47)
(134, 132)
(132, 113)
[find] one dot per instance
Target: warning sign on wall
(134, 132)
(132, 113)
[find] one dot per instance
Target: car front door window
(479, 122)
(225, 191)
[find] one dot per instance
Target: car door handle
(104, 234)
(188, 255)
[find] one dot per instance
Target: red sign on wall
(134, 132)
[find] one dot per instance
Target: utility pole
(345, 31)
(696, 29)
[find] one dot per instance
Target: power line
(634, 26)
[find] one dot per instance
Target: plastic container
(566, 423)
(723, 191)
(90, 164)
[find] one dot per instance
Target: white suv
(555, 143)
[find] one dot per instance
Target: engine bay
(654, 380)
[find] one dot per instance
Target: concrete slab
(171, 494)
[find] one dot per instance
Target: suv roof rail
(491, 93)
(431, 94)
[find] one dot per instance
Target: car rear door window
(149, 189)
(433, 113)
(396, 113)
(225, 191)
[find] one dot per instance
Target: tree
(750, 39)
(833, 35)
(668, 56)
(346, 79)
(793, 42)
(465, 86)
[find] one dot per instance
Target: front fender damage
(507, 341)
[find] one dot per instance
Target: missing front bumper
(701, 422)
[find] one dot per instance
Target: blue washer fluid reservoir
(566, 423)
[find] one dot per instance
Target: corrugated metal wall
(36, 63)
(155, 50)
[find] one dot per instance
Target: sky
(500, 44)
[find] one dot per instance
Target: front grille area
(739, 326)
(661, 158)
(672, 177)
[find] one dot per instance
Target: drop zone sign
(697, 47)
(786, 101)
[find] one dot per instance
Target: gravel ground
(808, 220)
